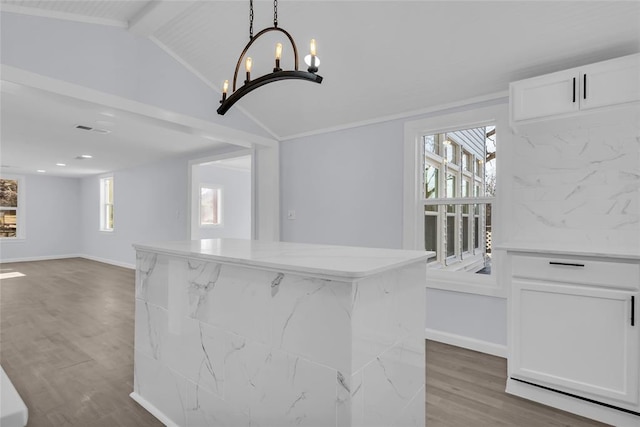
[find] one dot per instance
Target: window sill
(12, 239)
(470, 283)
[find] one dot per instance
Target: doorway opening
(221, 202)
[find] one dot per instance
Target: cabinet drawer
(583, 271)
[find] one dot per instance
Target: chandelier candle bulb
(247, 65)
(312, 47)
(225, 88)
(278, 57)
(312, 59)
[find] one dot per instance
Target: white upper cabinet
(610, 82)
(570, 92)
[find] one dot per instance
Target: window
(449, 203)
(106, 204)
(456, 223)
(10, 227)
(210, 205)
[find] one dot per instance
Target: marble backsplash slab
(579, 186)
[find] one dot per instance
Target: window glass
(450, 149)
(466, 162)
(8, 208)
(431, 232)
(456, 232)
(451, 231)
(431, 182)
(465, 231)
(431, 144)
(210, 206)
(106, 204)
(451, 185)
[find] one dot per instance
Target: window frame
(21, 223)
(494, 114)
(103, 226)
(220, 189)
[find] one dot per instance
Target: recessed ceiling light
(41, 171)
(61, 164)
(108, 114)
(84, 156)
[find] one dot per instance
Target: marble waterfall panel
(223, 344)
(580, 186)
(389, 348)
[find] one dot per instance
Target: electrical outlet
(291, 214)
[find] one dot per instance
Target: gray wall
(53, 219)
(346, 187)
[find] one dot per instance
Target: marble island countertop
(325, 260)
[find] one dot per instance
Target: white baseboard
(466, 342)
(109, 261)
(153, 410)
(40, 258)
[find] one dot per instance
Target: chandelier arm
(263, 80)
(253, 39)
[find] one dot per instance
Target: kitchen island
(248, 333)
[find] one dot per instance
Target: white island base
(245, 333)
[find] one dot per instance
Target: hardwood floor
(66, 342)
(466, 388)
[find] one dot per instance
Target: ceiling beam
(155, 15)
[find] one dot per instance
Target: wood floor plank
(466, 388)
(66, 342)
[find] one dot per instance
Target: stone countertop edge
(568, 251)
(281, 256)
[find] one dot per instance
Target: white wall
(53, 220)
(347, 189)
(150, 204)
(236, 199)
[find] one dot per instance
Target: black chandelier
(278, 73)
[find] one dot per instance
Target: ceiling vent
(90, 129)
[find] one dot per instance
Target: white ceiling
(38, 131)
(380, 59)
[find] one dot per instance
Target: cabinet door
(610, 82)
(576, 339)
(546, 95)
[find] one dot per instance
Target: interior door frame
(230, 155)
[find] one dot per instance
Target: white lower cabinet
(578, 338)
(572, 335)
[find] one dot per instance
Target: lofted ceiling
(380, 59)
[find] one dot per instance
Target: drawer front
(587, 271)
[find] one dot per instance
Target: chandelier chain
(275, 13)
(250, 19)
